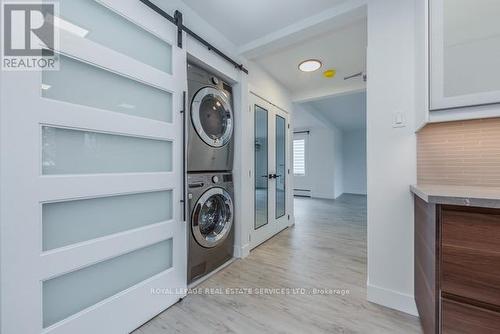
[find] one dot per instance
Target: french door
(91, 176)
(271, 170)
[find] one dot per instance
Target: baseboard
(302, 193)
(354, 193)
(392, 299)
(322, 196)
(241, 252)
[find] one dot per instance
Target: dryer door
(212, 217)
(212, 116)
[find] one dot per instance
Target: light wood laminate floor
(325, 249)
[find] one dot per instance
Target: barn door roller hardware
(177, 20)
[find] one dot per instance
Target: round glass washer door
(212, 217)
(212, 116)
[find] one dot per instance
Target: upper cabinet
(464, 53)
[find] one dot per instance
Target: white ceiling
(343, 49)
(347, 112)
(243, 21)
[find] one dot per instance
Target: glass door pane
(84, 84)
(73, 292)
(91, 20)
(68, 222)
(261, 167)
(68, 151)
(471, 34)
(280, 166)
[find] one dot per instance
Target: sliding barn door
(91, 234)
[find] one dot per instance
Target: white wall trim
(353, 8)
(328, 92)
(241, 252)
(392, 299)
(322, 196)
(459, 114)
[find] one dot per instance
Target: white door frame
(23, 189)
(274, 225)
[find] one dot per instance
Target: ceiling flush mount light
(310, 65)
(330, 73)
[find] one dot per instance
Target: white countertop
(488, 197)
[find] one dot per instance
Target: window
(299, 154)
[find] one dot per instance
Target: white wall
(264, 85)
(354, 160)
(195, 22)
(323, 155)
(391, 152)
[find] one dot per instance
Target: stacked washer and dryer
(210, 144)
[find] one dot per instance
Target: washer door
(212, 116)
(212, 217)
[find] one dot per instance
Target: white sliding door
(91, 176)
(271, 170)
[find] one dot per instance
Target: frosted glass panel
(65, 223)
(471, 46)
(90, 20)
(261, 151)
(280, 167)
(67, 151)
(71, 293)
(80, 83)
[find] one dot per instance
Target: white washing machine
(210, 122)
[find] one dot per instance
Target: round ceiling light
(310, 65)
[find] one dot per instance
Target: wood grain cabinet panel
(475, 228)
(470, 255)
(426, 295)
(457, 268)
(460, 318)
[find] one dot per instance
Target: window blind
(299, 156)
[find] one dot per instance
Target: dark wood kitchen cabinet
(457, 268)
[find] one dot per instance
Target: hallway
(326, 249)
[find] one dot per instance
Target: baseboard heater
(301, 193)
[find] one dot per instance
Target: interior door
(91, 237)
(271, 170)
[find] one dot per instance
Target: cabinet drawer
(459, 318)
(470, 254)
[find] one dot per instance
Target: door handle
(272, 176)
